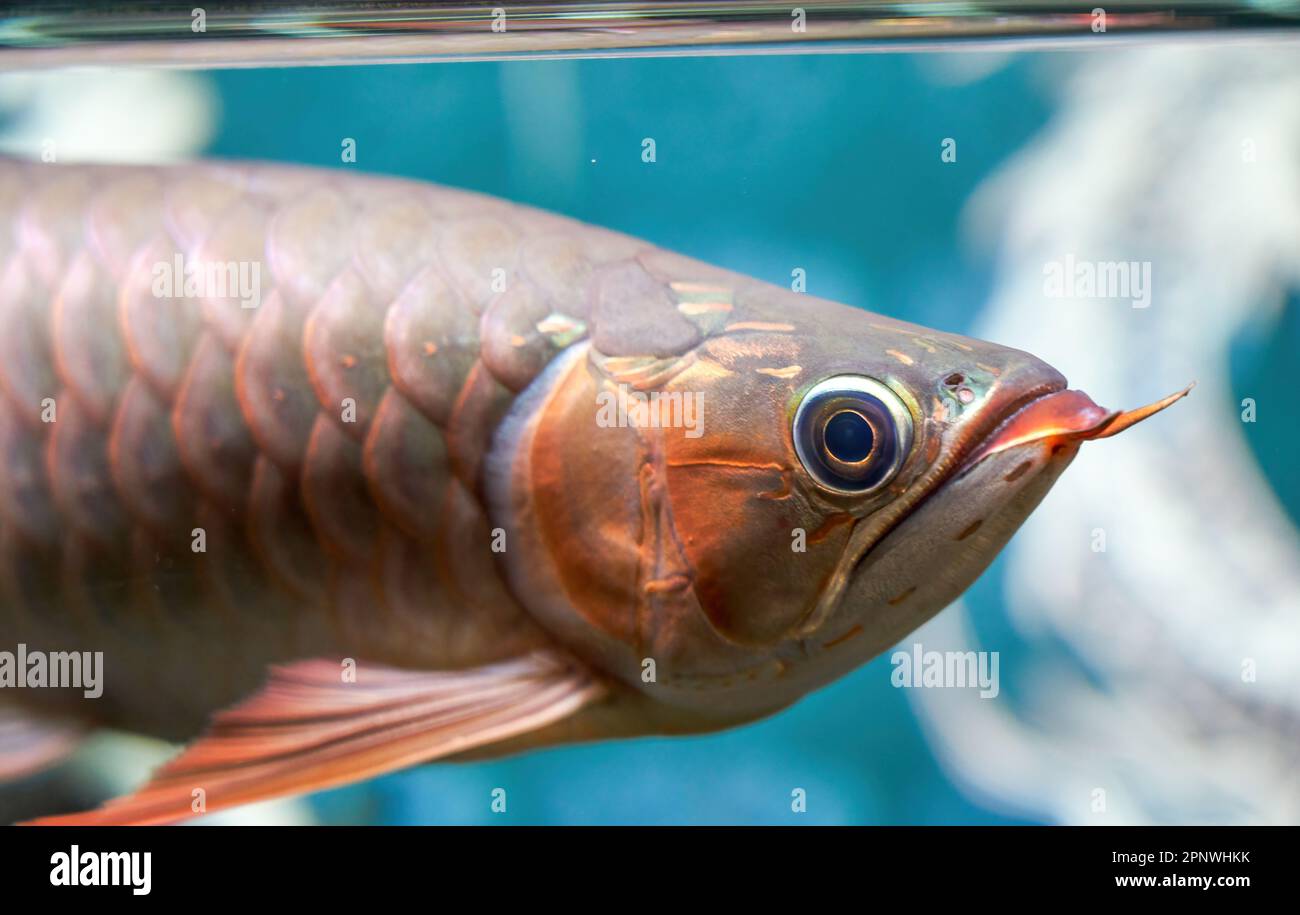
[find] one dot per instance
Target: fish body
(535, 480)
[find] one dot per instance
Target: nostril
(955, 379)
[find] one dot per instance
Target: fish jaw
(936, 552)
(967, 518)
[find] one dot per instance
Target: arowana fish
(347, 473)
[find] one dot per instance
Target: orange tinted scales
(335, 493)
(281, 533)
(78, 470)
(479, 407)
(146, 464)
(405, 459)
(238, 237)
(515, 346)
(431, 336)
(271, 379)
(479, 255)
(27, 373)
(343, 343)
(91, 363)
(26, 503)
(158, 350)
(203, 456)
(213, 440)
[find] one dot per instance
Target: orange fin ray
(307, 729)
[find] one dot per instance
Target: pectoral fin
(308, 729)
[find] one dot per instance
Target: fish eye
(852, 433)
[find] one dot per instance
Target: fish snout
(981, 393)
(1019, 379)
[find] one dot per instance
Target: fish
(327, 474)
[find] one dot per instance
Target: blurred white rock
(107, 115)
(1188, 158)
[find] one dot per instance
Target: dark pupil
(849, 437)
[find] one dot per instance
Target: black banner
(332, 865)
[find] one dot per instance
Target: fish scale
(171, 415)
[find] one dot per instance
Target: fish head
(748, 520)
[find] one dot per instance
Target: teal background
(763, 165)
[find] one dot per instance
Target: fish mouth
(1045, 412)
(1065, 416)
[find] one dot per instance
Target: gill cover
(698, 542)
